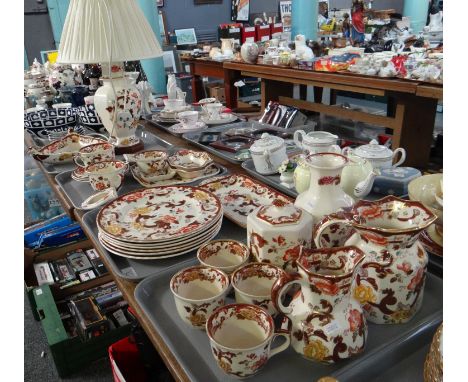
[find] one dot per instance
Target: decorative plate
(208, 173)
(225, 119)
(427, 239)
(240, 195)
(180, 129)
(159, 213)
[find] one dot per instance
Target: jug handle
(280, 287)
(336, 149)
(297, 134)
(346, 150)
(402, 151)
(325, 223)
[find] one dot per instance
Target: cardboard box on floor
(216, 90)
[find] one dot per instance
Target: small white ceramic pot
(198, 291)
(238, 354)
(188, 118)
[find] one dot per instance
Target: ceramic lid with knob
(266, 142)
(374, 151)
(280, 213)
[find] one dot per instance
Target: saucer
(79, 174)
(431, 241)
(225, 119)
(180, 128)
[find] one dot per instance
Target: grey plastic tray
(387, 344)
(78, 192)
(230, 157)
(136, 270)
(150, 141)
(166, 125)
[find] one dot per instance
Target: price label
(331, 328)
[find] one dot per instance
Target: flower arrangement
(287, 166)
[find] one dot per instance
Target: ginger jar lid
(279, 213)
(373, 151)
(266, 142)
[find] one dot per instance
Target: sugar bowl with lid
(268, 153)
(276, 232)
(378, 155)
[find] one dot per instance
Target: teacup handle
(280, 287)
(402, 151)
(283, 346)
(75, 160)
(297, 141)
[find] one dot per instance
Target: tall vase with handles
(328, 324)
(119, 111)
(324, 195)
(390, 285)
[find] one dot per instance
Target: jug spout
(363, 188)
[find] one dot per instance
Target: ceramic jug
(390, 285)
(328, 324)
(316, 142)
(171, 87)
(324, 195)
(227, 46)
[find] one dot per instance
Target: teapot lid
(373, 151)
(280, 212)
(266, 142)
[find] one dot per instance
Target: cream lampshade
(110, 32)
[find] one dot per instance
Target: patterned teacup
(97, 152)
(241, 336)
(226, 255)
(106, 174)
(253, 282)
(198, 291)
(150, 161)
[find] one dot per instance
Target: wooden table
(125, 286)
(411, 105)
(208, 68)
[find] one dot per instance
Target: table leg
(230, 91)
(415, 118)
(271, 90)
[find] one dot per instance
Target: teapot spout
(363, 188)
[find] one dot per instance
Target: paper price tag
(38, 292)
(54, 203)
(331, 328)
(250, 39)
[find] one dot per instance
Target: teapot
(328, 323)
(378, 155)
(268, 153)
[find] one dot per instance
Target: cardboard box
(216, 91)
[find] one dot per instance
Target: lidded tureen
(378, 155)
(268, 153)
(276, 232)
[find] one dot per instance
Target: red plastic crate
(126, 362)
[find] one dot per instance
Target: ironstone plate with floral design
(240, 195)
(159, 213)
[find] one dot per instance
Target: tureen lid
(266, 142)
(373, 151)
(279, 213)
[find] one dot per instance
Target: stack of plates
(159, 222)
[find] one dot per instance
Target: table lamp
(110, 32)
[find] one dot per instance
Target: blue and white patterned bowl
(47, 121)
(89, 117)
